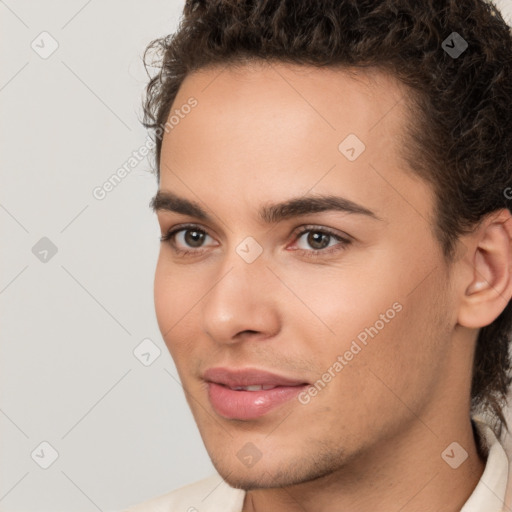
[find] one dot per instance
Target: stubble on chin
(279, 473)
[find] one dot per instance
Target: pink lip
(248, 377)
(248, 405)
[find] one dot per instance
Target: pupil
(315, 238)
(193, 237)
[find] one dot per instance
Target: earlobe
(490, 288)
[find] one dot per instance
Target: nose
(242, 303)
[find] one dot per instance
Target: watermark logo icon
(44, 455)
(351, 147)
(454, 455)
(44, 250)
(147, 352)
(454, 45)
(249, 455)
(45, 45)
(249, 250)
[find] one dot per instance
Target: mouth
(247, 394)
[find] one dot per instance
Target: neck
(406, 472)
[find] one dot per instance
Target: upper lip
(240, 377)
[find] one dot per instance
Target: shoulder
(210, 494)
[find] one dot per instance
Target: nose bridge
(244, 265)
(240, 298)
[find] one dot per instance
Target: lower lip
(249, 405)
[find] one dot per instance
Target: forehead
(283, 129)
(280, 106)
(331, 93)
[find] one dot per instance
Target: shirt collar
(489, 494)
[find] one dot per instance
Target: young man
(335, 273)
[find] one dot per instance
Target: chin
(261, 480)
(265, 475)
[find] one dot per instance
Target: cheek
(337, 303)
(164, 297)
(391, 360)
(177, 293)
(171, 298)
(176, 290)
(377, 319)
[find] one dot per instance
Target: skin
(372, 438)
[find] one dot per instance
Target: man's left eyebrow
(305, 205)
(270, 213)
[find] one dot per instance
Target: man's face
(349, 311)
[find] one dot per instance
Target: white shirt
(493, 492)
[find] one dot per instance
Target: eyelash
(313, 253)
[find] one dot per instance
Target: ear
(488, 287)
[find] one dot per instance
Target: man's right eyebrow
(269, 214)
(170, 202)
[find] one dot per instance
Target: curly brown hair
(458, 141)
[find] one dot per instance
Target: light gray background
(122, 430)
